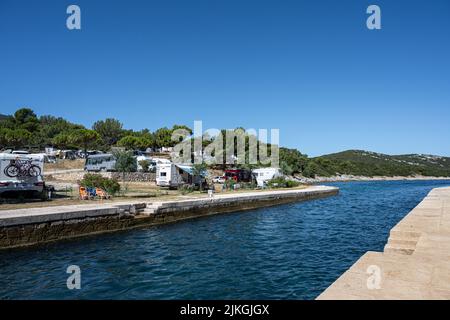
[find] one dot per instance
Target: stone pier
(415, 264)
(24, 227)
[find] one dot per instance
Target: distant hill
(366, 163)
(3, 117)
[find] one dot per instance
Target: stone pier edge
(34, 226)
(415, 263)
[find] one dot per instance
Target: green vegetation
(282, 182)
(94, 180)
(145, 165)
(364, 163)
(25, 129)
(292, 161)
(125, 162)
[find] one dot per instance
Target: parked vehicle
(100, 162)
(66, 154)
(46, 158)
(21, 173)
(174, 175)
(20, 152)
(263, 175)
(219, 179)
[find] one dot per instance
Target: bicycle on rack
(21, 168)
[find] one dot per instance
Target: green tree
(50, 127)
(62, 140)
(110, 130)
(133, 143)
(199, 170)
(125, 162)
(25, 118)
(182, 127)
(292, 160)
(145, 165)
(85, 138)
(163, 138)
(3, 139)
(16, 138)
(24, 115)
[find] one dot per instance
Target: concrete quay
(415, 264)
(25, 227)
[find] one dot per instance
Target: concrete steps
(400, 249)
(402, 234)
(402, 242)
(151, 208)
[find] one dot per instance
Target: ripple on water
(291, 251)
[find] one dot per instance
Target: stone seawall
(415, 263)
(25, 227)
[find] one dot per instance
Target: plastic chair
(91, 192)
(102, 194)
(84, 195)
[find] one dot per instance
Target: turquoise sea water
(292, 251)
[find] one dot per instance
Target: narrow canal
(292, 251)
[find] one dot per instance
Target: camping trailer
(173, 175)
(21, 173)
(263, 175)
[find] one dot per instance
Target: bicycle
(20, 168)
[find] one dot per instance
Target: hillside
(366, 163)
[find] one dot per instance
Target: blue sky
(310, 68)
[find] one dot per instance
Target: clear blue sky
(310, 68)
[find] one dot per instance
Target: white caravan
(21, 173)
(167, 175)
(263, 175)
(175, 175)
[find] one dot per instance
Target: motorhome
(263, 175)
(100, 162)
(21, 173)
(174, 175)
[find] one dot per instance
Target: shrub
(281, 182)
(95, 180)
(145, 165)
(186, 188)
(125, 161)
(229, 184)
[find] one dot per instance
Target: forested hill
(25, 130)
(366, 163)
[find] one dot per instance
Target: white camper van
(21, 173)
(263, 175)
(175, 175)
(167, 175)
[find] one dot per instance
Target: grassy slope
(360, 162)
